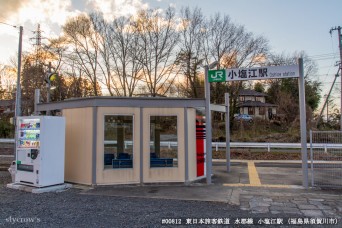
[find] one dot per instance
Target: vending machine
(40, 150)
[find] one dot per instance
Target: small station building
(132, 140)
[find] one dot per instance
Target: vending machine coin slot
(34, 154)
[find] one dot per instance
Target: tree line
(155, 53)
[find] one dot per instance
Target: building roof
(249, 92)
(148, 102)
(255, 104)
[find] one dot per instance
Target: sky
(291, 25)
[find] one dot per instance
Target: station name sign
(255, 73)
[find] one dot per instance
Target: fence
(222, 145)
(326, 162)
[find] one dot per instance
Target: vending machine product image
(40, 150)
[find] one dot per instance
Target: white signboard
(262, 73)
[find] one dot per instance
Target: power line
(322, 55)
(15, 26)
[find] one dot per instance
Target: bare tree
(7, 81)
(102, 28)
(2, 74)
(84, 41)
(55, 52)
(158, 38)
(119, 50)
(191, 53)
(232, 47)
(220, 38)
(285, 91)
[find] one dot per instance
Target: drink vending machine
(40, 150)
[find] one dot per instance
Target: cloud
(9, 7)
(38, 11)
(52, 15)
(115, 8)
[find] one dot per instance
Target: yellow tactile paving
(253, 174)
(254, 180)
(264, 185)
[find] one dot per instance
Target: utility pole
(328, 110)
(340, 47)
(326, 99)
(18, 94)
(48, 85)
(17, 111)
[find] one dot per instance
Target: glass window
(261, 110)
(163, 141)
(250, 110)
(118, 142)
(261, 99)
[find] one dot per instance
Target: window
(118, 142)
(249, 98)
(163, 141)
(261, 111)
(250, 110)
(261, 99)
(242, 98)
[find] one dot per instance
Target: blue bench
(108, 159)
(122, 163)
(124, 156)
(161, 162)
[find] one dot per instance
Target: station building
(123, 140)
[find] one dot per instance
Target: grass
(257, 131)
(257, 155)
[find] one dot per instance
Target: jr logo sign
(217, 75)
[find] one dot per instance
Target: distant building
(254, 104)
(7, 106)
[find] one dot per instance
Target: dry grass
(248, 155)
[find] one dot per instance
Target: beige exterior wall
(192, 159)
(163, 174)
(117, 176)
(78, 145)
(79, 137)
(257, 113)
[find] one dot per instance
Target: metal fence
(326, 162)
(269, 146)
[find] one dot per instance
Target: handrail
(217, 145)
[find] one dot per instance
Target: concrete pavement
(253, 186)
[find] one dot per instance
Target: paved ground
(276, 187)
(253, 192)
(278, 192)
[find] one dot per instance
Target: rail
(218, 145)
(270, 145)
